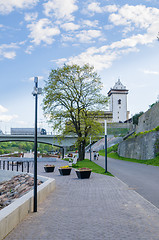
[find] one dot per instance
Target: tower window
(119, 101)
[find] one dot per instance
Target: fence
(15, 165)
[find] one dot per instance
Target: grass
(154, 161)
(89, 164)
(118, 131)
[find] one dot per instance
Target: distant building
(118, 102)
(27, 131)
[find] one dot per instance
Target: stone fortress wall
(149, 120)
(144, 146)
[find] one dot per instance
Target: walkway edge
(13, 214)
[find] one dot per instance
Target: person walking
(97, 155)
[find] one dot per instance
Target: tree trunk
(81, 151)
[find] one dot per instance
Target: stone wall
(149, 119)
(119, 125)
(139, 147)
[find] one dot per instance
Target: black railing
(15, 165)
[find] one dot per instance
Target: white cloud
(111, 8)
(99, 61)
(139, 15)
(29, 49)
(70, 26)
(7, 6)
(60, 9)
(95, 7)
(7, 118)
(8, 50)
(61, 61)
(3, 109)
(151, 72)
(29, 17)
(9, 55)
(87, 36)
(89, 23)
(145, 18)
(43, 31)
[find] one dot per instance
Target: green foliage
(2, 151)
(109, 150)
(118, 131)
(157, 128)
(154, 161)
(10, 147)
(136, 117)
(89, 164)
(143, 133)
(150, 106)
(73, 102)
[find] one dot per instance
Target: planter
(49, 168)
(83, 173)
(65, 171)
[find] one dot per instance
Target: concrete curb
(13, 214)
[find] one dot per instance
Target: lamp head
(36, 79)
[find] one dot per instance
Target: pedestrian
(97, 155)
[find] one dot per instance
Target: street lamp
(106, 146)
(35, 93)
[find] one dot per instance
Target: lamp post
(35, 93)
(90, 149)
(106, 146)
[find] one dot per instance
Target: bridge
(54, 140)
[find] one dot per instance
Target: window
(119, 101)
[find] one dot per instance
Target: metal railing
(15, 165)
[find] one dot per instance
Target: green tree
(136, 117)
(73, 102)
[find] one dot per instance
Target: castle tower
(118, 102)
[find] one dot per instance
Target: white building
(118, 102)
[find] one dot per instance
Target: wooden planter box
(49, 168)
(65, 171)
(84, 173)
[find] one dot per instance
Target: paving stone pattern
(99, 208)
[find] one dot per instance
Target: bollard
(17, 166)
(22, 166)
(3, 165)
(7, 165)
(12, 165)
(27, 167)
(0, 164)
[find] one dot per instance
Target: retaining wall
(140, 147)
(149, 120)
(13, 214)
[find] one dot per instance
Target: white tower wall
(118, 102)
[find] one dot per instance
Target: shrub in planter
(65, 170)
(49, 168)
(83, 173)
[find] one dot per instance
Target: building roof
(118, 85)
(118, 88)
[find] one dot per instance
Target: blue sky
(119, 38)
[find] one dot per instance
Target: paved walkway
(99, 208)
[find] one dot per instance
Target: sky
(117, 37)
